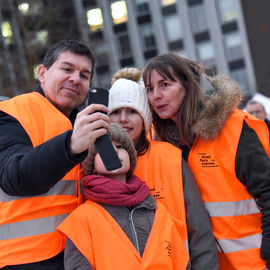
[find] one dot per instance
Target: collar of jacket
(149, 203)
(223, 95)
(74, 112)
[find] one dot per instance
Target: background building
(129, 33)
(257, 21)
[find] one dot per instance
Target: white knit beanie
(126, 93)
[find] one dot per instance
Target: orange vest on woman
(235, 216)
(161, 168)
(105, 245)
(28, 224)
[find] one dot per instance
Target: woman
(160, 165)
(226, 149)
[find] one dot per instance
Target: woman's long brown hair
(187, 72)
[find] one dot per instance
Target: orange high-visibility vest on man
(105, 245)
(28, 224)
(235, 216)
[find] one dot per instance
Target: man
(257, 109)
(43, 139)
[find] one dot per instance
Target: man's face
(256, 110)
(67, 81)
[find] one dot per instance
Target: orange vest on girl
(28, 224)
(235, 216)
(161, 168)
(105, 245)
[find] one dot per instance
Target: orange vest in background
(105, 245)
(28, 224)
(235, 216)
(161, 168)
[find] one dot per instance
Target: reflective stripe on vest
(226, 209)
(245, 243)
(62, 187)
(187, 245)
(30, 227)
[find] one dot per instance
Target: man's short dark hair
(73, 46)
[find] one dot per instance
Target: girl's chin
(114, 171)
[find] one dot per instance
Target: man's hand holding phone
(90, 124)
(94, 119)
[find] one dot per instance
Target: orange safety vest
(105, 245)
(161, 168)
(235, 216)
(28, 224)
(151, 133)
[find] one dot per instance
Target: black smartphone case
(103, 144)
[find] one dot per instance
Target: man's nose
(75, 77)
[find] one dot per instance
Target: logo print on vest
(157, 192)
(206, 160)
(168, 248)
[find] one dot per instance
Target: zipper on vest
(133, 230)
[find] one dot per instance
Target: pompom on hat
(127, 91)
(119, 135)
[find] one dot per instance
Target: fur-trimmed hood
(223, 96)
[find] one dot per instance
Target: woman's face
(130, 120)
(165, 96)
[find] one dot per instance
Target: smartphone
(104, 144)
(98, 95)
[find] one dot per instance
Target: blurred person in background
(257, 109)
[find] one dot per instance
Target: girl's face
(165, 96)
(130, 120)
(119, 174)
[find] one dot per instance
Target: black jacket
(27, 171)
(267, 122)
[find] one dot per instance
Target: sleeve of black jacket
(252, 167)
(27, 171)
(202, 244)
